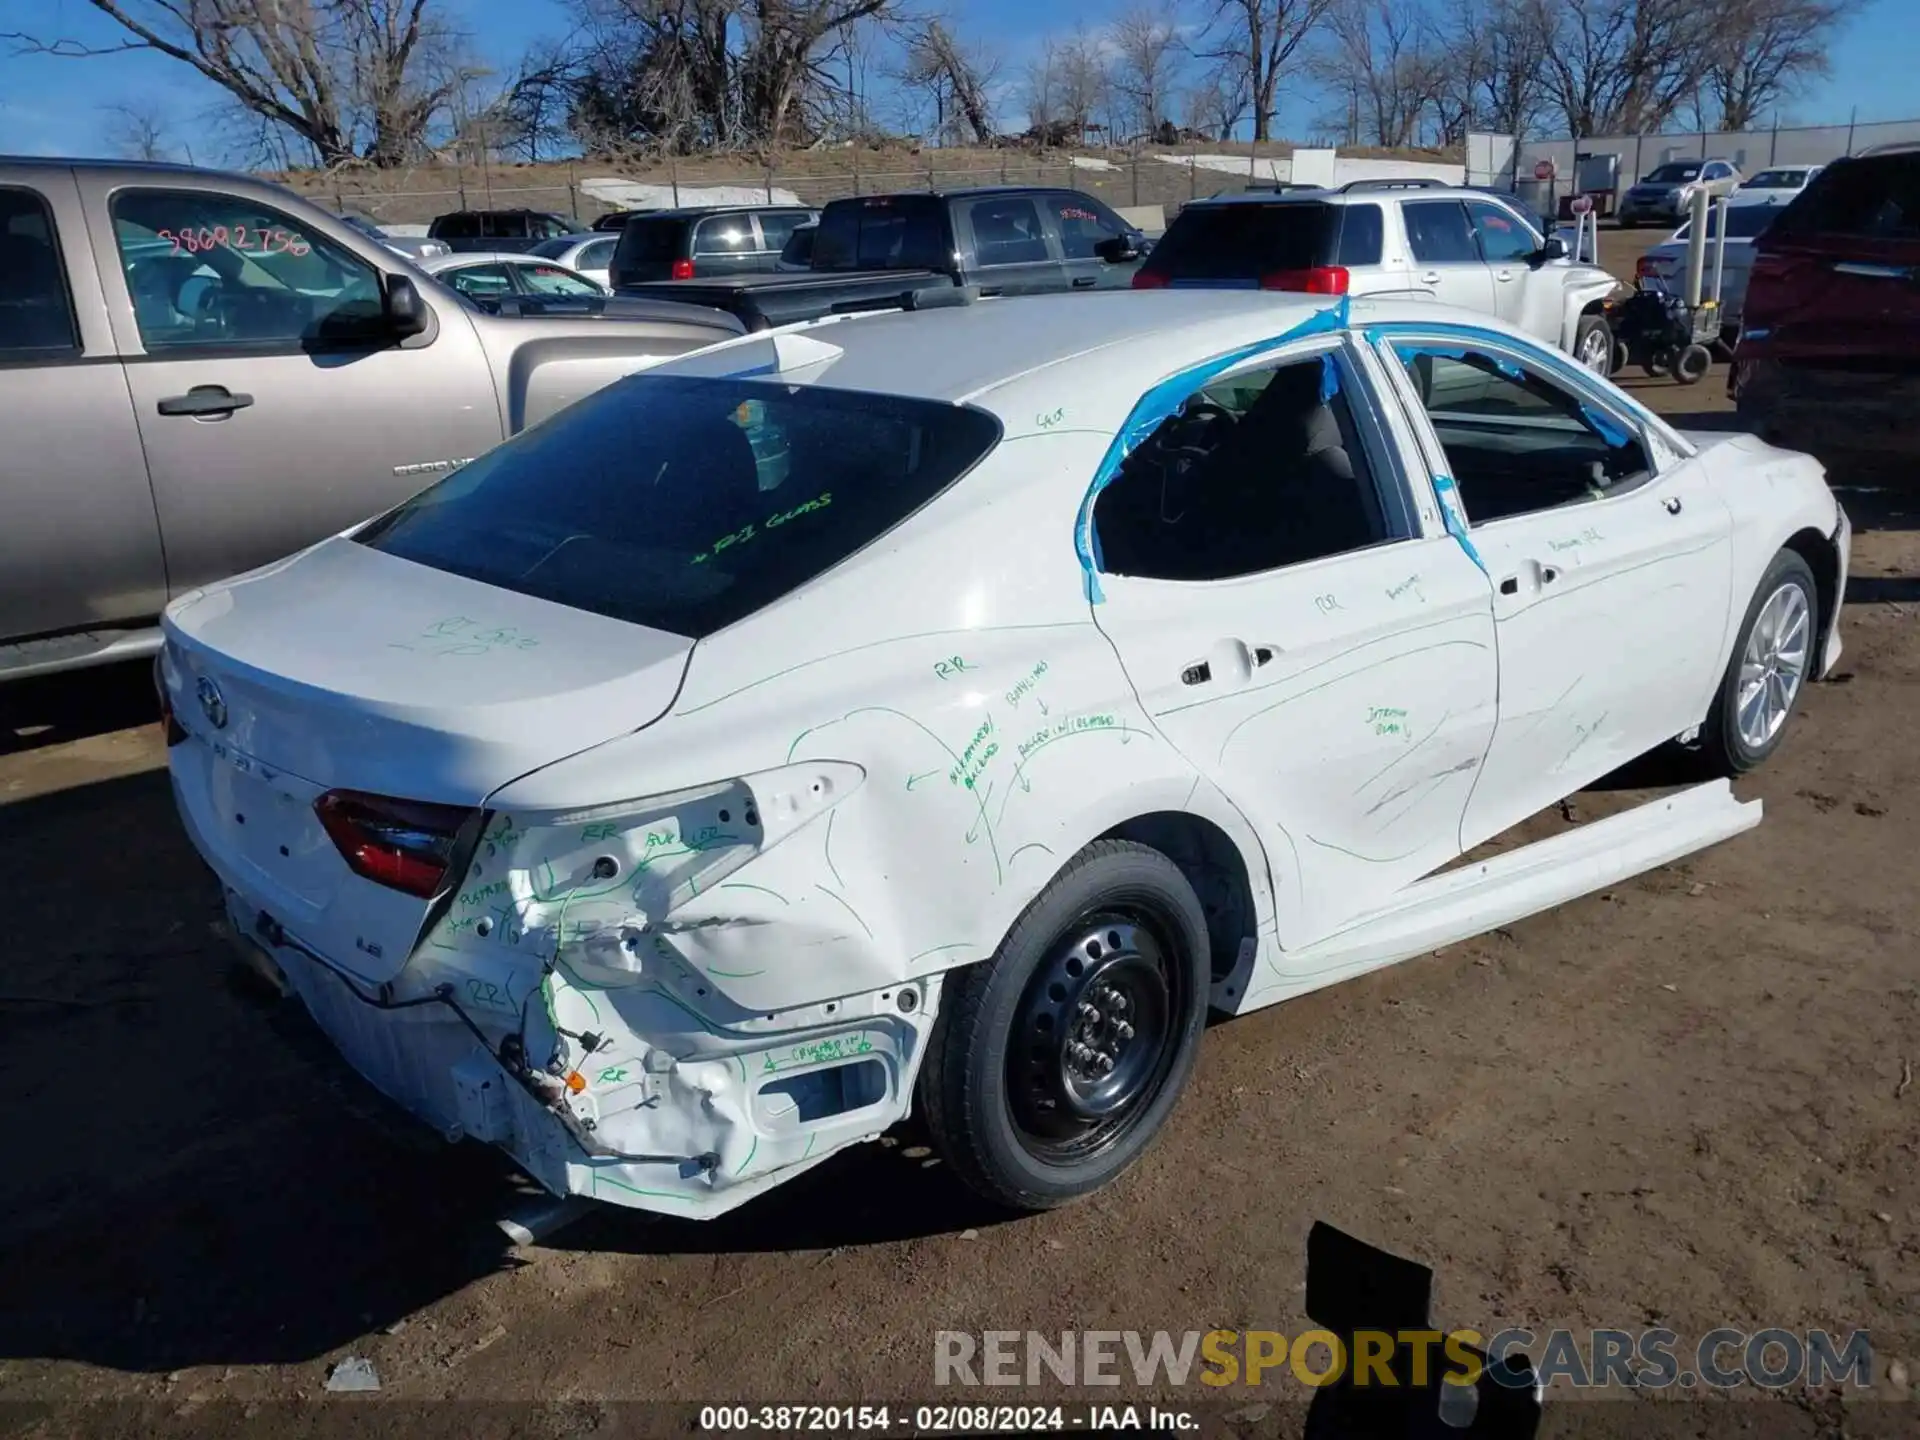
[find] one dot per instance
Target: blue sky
(60, 106)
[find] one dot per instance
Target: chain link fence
(568, 188)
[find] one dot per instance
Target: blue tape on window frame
(1160, 402)
(1329, 377)
(1605, 426)
(1452, 517)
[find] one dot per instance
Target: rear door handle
(1432, 277)
(205, 400)
(1510, 585)
(1085, 282)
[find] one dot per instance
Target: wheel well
(1212, 865)
(1814, 548)
(1594, 307)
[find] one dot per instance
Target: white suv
(1464, 247)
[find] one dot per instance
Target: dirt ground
(1688, 1102)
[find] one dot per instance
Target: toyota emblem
(213, 705)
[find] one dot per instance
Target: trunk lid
(353, 668)
(345, 669)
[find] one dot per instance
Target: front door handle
(1432, 277)
(1503, 275)
(205, 400)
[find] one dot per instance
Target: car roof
(995, 352)
(434, 264)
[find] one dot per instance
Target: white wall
(1751, 150)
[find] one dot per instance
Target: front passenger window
(1515, 441)
(207, 269)
(1263, 469)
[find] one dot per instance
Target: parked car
(706, 243)
(796, 256)
(1662, 196)
(487, 279)
(209, 373)
(1778, 186)
(414, 247)
(896, 251)
(1461, 247)
(587, 254)
(498, 230)
(1664, 267)
(1829, 353)
(977, 699)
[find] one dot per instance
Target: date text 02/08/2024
(944, 1419)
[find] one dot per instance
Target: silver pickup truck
(201, 372)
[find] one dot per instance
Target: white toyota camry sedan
(948, 709)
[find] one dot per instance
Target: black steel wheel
(1053, 1065)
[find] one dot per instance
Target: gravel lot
(1686, 1102)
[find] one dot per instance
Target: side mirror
(1119, 249)
(406, 311)
(1554, 249)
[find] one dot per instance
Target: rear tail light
(1149, 280)
(682, 270)
(170, 727)
(402, 844)
(1320, 280)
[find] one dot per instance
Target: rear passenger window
(1263, 469)
(1359, 238)
(777, 229)
(1007, 231)
(1516, 441)
(723, 235)
(1437, 232)
(35, 312)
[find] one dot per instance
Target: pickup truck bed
(207, 373)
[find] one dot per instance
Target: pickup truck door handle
(205, 400)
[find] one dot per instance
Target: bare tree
(1379, 63)
(1262, 37)
(140, 129)
(1147, 55)
(954, 77)
(1764, 48)
(1218, 101)
(1616, 67)
(353, 78)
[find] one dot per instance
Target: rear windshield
(651, 242)
(1676, 174)
(1874, 197)
(553, 249)
(885, 232)
(1777, 180)
(686, 504)
(1744, 222)
(1243, 241)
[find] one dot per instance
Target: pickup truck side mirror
(406, 311)
(1119, 249)
(1554, 249)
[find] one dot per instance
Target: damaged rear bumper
(666, 1113)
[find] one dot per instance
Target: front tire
(1593, 345)
(1054, 1064)
(1772, 661)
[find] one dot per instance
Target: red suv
(1828, 359)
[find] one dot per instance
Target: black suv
(709, 243)
(503, 230)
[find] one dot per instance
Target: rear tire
(1053, 1065)
(1773, 658)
